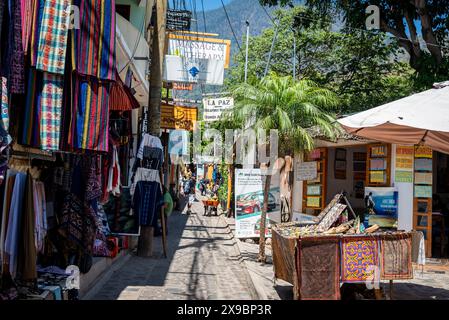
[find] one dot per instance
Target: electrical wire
(204, 17)
(230, 25)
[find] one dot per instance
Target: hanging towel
(51, 109)
(94, 42)
(90, 115)
(53, 36)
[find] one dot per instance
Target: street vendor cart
(210, 205)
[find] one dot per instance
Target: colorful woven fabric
(50, 114)
(396, 257)
(37, 14)
(27, 10)
(94, 49)
(17, 71)
(4, 104)
(121, 97)
(360, 258)
(53, 36)
(318, 265)
(90, 115)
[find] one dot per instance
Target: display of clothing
(17, 70)
(143, 174)
(149, 141)
(114, 182)
(147, 201)
(4, 123)
(40, 209)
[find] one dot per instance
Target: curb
(104, 277)
(256, 289)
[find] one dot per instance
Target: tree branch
(427, 32)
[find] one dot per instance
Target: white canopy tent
(421, 118)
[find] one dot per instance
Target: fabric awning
(421, 118)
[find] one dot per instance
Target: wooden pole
(157, 51)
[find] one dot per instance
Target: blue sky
(208, 4)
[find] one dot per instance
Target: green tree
(421, 28)
(289, 106)
(362, 68)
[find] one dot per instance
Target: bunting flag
(90, 115)
(94, 43)
(53, 36)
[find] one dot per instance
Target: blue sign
(384, 205)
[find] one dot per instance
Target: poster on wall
(423, 152)
(249, 203)
(385, 211)
(306, 171)
(404, 164)
(121, 218)
(423, 191)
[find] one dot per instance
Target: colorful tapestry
(318, 265)
(332, 215)
(17, 62)
(90, 115)
(94, 43)
(27, 10)
(4, 123)
(283, 249)
(396, 257)
(50, 113)
(360, 257)
(53, 36)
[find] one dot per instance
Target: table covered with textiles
(317, 265)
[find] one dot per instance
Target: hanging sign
(423, 152)
(306, 171)
(404, 164)
(178, 117)
(182, 86)
(177, 20)
(249, 203)
(193, 70)
(213, 108)
(200, 48)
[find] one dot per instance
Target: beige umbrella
(421, 118)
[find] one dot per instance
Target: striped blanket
(94, 43)
(90, 115)
(53, 36)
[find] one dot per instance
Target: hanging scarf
(94, 49)
(17, 71)
(53, 36)
(37, 14)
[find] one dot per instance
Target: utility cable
(230, 25)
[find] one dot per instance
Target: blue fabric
(14, 222)
(147, 201)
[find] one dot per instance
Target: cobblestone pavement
(203, 263)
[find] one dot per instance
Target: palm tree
(291, 107)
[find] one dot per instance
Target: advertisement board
(193, 70)
(385, 202)
(249, 203)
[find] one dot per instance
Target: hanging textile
(27, 255)
(143, 174)
(27, 10)
(4, 123)
(90, 115)
(147, 200)
(40, 215)
(360, 257)
(94, 49)
(10, 181)
(121, 97)
(17, 70)
(92, 174)
(53, 36)
(318, 265)
(396, 257)
(51, 108)
(37, 14)
(14, 222)
(2, 12)
(149, 141)
(114, 182)
(30, 133)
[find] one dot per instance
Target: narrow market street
(202, 263)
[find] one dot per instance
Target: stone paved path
(203, 263)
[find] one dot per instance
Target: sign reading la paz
(213, 108)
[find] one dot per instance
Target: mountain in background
(239, 11)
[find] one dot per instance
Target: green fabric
(169, 201)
